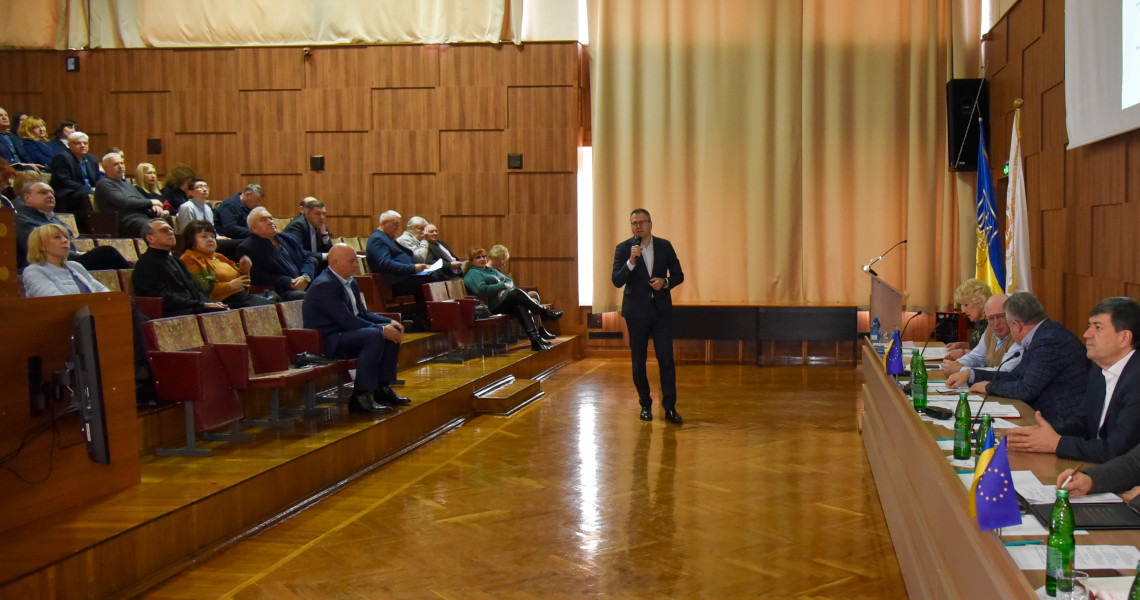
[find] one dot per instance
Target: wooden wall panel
(134, 117)
(472, 152)
(344, 152)
(1099, 172)
(545, 150)
(331, 67)
(140, 70)
(344, 193)
(474, 64)
(210, 155)
(405, 109)
(1132, 179)
(352, 226)
(472, 107)
(554, 278)
(405, 65)
(91, 112)
(543, 193)
(270, 110)
(93, 74)
(204, 69)
(282, 192)
(32, 103)
(1050, 180)
(267, 152)
(1026, 25)
(544, 64)
(540, 235)
(205, 110)
(407, 151)
(468, 232)
(543, 107)
(270, 68)
(403, 193)
(336, 109)
(473, 193)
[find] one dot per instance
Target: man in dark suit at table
(1053, 371)
(348, 330)
(396, 265)
(648, 268)
(278, 260)
(311, 230)
(73, 177)
(1109, 422)
(438, 250)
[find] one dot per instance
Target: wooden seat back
(125, 246)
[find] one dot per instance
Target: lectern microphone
(867, 267)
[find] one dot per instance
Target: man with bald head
(348, 329)
(115, 194)
(995, 351)
(38, 210)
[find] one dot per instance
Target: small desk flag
(994, 499)
(892, 359)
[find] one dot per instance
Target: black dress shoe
(673, 416)
(362, 403)
(646, 414)
(553, 315)
(388, 396)
(546, 335)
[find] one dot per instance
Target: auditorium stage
(189, 508)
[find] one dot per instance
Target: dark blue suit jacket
(1080, 437)
(37, 152)
(1051, 377)
(393, 262)
(328, 309)
(231, 217)
(638, 294)
(67, 180)
(274, 267)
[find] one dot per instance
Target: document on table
(993, 409)
(1032, 558)
(435, 266)
(1034, 492)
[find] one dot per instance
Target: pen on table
(1025, 543)
(1073, 474)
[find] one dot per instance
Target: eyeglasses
(165, 230)
(638, 223)
(992, 318)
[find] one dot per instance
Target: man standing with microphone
(648, 268)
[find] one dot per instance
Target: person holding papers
(1051, 376)
(1108, 424)
(996, 344)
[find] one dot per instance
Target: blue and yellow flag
(995, 500)
(892, 358)
(990, 254)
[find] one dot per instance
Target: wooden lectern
(886, 304)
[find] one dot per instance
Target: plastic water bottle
(876, 331)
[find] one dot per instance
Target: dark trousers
(102, 258)
(519, 304)
(375, 356)
(657, 326)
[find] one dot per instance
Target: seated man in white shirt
(1108, 424)
(995, 351)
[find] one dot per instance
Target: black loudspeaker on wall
(962, 121)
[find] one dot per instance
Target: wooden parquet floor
(765, 492)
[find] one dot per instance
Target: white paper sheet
(1032, 558)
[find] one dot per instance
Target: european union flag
(995, 500)
(990, 255)
(892, 359)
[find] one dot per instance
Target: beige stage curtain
(779, 145)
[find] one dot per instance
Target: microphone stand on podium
(886, 301)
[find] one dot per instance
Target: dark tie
(83, 173)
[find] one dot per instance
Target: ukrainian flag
(990, 254)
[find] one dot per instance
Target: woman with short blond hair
(971, 296)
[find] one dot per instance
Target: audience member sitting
(1109, 422)
(504, 298)
(146, 182)
(278, 260)
(114, 194)
(233, 212)
(58, 142)
(219, 276)
(349, 330)
(413, 238)
(437, 250)
(311, 230)
(18, 121)
(175, 188)
(50, 273)
(35, 144)
(1053, 371)
(11, 149)
(991, 352)
(38, 210)
(196, 209)
(971, 296)
(396, 266)
(499, 258)
(8, 196)
(160, 275)
(73, 176)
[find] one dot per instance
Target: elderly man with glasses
(991, 352)
(159, 274)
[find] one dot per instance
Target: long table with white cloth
(940, 550)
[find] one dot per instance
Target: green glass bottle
(980, 442)
(1134, 593)
(962, 427)
(918, 381)
(1061, 548)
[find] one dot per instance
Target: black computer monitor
(87, 386)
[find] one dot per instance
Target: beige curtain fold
(779, 145)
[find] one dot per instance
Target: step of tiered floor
(190, 507)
